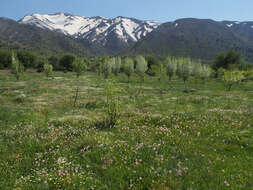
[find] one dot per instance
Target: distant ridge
(65, 32)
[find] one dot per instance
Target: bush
(228, 60)
(48, 69)
(17, 67)
(27, 59)
(232, 77)
(79, 66)
(66, 62)
(54, 61)
(5, 59)
(112, 91)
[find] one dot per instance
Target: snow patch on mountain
(95, 29)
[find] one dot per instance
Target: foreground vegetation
(55, 132)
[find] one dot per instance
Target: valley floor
(164, 139)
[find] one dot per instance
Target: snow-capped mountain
(98, 30)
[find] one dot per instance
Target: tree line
(229, 66)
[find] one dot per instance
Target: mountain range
(63, 32)
(111, 35)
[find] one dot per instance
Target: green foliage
(66, 62)
(171, 66)
(248, 75)
(27, 58)
(79, 66)
(184, 69)
(116, 66)
(112, 92)
(206, 72)
(151, 61)
(5, 59)
(17, 68)
(107, 67)
(40, 62)
(228, 60)
(232, 77)
(54, 61)
(201, 71)
(48, 69)
(158, 70)
(141, 66)
(128, 67)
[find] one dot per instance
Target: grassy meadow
(164, 139)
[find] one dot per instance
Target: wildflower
(226, 183)
(179, 172)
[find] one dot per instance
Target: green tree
(54, 61)
(79, 66)
(28, 59)
(128, 67)
(206, 72)
(16, 67)
(66, 62)
(171, 67)
(5, 59)
(228, 60)
(117, 66)
(48, 69)
(107, 67)
(141, 67)
(232, 77)
(184, 69)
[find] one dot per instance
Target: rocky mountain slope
(21, 36)
(112, 34)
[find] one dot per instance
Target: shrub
(54, 61)
(228, 60)
(48, 69)
(79, 66)
(17, 68)
(232, 77)
(5, 59)
(28, 59)
(112, 92)
(66, 62)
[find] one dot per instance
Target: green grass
(165, 139)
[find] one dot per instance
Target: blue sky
(159, 10)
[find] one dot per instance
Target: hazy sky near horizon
(159, 10)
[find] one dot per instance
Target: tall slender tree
(141, 66)
(16, 67)
(128, 67)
